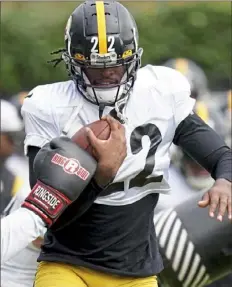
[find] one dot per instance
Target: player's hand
(218, 197)
(63, 170)
(109, 153)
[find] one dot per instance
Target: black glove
(63, 170)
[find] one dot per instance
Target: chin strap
(120, 105)
(101, 109)
(119, 109)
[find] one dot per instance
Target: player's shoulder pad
(171, 86)
(165, 80)
(43, 99)
(169, 79)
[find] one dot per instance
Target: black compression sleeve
(204, 145)
(32, 152)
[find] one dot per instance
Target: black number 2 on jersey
(141, 179)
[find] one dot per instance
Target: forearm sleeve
(204, 145)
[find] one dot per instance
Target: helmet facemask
(92, 82)
(101, 53)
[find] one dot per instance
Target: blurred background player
(20, 270)
(17, 100)
(195, 75)
(11, 128)
(18, 161)
(14, 188)
(199, 91)
(208, 109)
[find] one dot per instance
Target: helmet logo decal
(109, 58)
(126, 54)
(79, 57)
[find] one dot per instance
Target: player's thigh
(141, 282)
(95, 278)
(52, 274)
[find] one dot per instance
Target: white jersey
(160, 100)
(17, 230)
(20, 269)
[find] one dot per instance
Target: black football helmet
(102, 54)
(195, 75)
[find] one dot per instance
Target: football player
(113, 243)
(20, 268)
(11, 180)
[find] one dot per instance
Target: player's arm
(16, 203)
(63, 171)
(204, 145)
(22, 224)
(39, 121)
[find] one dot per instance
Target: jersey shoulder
(168, 89)
(44, 99)
(166, 80)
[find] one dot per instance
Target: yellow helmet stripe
(101, 26)
(181, 65)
